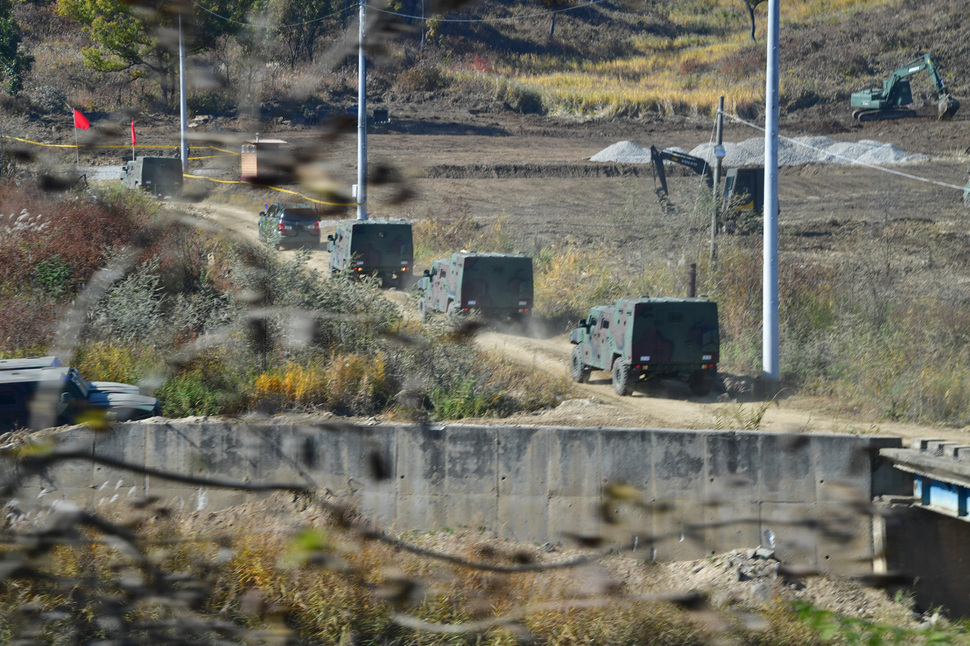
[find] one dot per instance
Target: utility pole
(183, 105)
(718, 156)
(361, 193)
(769, 288)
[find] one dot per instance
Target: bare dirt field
(535, 173)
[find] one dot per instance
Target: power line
(270, 27)
(487, 20)
(401, 15)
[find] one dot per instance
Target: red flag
(81, 121)
(133, 140)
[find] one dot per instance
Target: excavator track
(864, 116)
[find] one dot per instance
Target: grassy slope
(679, 56)
(615, 57)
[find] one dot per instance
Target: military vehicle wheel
(453, 315)
(621, 378)
(700, 383)
(580, 371)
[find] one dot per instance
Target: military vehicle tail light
(316, 226)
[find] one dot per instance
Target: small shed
(266, 160)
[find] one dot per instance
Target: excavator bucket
(947, 107)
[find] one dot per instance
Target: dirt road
(667, 405)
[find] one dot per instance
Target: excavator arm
(924, 62)
(698, 165)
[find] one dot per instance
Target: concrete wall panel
(625, 457)
(786, 473)
(472, 462)
(678, 462)
(524, 461)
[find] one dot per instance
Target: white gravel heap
(791, 152)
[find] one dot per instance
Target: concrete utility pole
(770, 344)
(362, 118)
(183, 105)
(718, 156)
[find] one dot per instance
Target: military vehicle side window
(606, 325)
(676, 317)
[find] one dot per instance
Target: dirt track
(667, 405)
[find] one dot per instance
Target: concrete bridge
(808, 497)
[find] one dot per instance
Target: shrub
(106, 361)
(26, 323)
(420, 78)
(347, 383)
(445, 231)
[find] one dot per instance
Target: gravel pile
(791, 152)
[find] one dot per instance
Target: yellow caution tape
(272, 188)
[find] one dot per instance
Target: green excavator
(889, 101)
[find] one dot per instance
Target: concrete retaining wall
(721, 490)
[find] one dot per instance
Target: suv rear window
(304, 215)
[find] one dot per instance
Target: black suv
(286, 223)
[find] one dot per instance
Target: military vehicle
(384, 248)
(647, 338)
(48, 396)
(160, 176)
(493, 286)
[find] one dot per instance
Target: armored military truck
(384, 248)
(646, 338)
(160, 176)
(494, 286)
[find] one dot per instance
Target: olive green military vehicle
(647, 338)
(160, 176)
(384, 248)
(493, 286)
